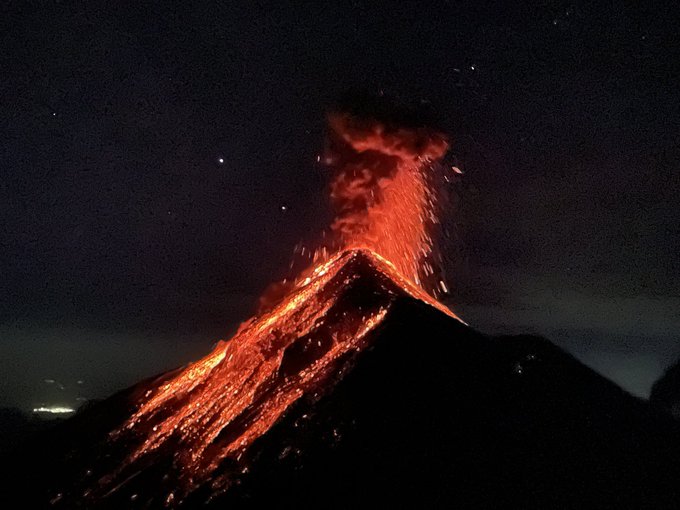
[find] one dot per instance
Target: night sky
(158, 164)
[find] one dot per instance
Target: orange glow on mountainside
(212, 411)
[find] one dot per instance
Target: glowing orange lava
(216, 408)
(382, 191)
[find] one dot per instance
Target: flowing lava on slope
(210, 413)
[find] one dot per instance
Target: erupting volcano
(209, 414)
(357, 387)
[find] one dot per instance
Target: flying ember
(209, 414)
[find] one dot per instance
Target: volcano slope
(419, 411)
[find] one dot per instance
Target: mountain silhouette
(424, 412)
(666, 391)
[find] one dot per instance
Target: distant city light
(54, 410)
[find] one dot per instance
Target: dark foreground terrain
(431, 415)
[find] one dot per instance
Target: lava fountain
(383, 191)
(209, 414)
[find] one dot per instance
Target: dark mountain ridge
(429, 414)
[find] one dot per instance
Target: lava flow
(210, 414)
